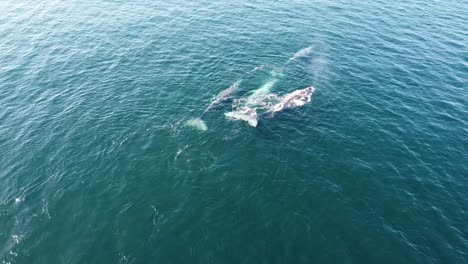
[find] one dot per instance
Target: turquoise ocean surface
(101, 162)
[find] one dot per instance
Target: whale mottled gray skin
(293, 99)
(222, 96)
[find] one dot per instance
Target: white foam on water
(198, 124)
(263, 67)
(250, 117)
(180, 150)
(17, 238)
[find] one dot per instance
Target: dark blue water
(99, 165)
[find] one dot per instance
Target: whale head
(306, 93)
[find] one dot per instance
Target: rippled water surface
(99, 162)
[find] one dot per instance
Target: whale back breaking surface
(294, 99)
(222, 96)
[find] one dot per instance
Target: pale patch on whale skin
(297, 98)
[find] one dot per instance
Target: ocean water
(100, 163)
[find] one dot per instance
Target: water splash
(246, 114)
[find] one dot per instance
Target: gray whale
(297, 98)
